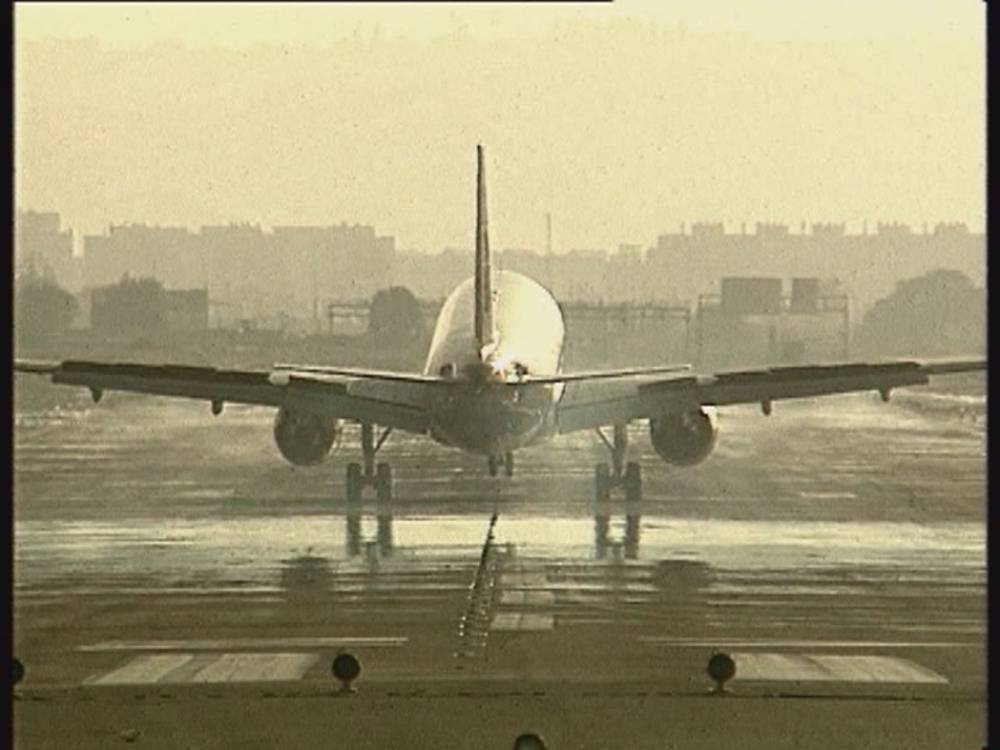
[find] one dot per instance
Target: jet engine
(304, 438)
(684, 439)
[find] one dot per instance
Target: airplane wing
(356, 372)
(406, 377)
(570, 377)
(591, 405)
(388, 402)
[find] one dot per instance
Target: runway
(173, 574)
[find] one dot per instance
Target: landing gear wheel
(494, 466)
(633, 482)
(508, 464)
(602, 483)
(383, 483)
(354, 482)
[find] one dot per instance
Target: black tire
(602, 483)
(493, 465)
(508, 464)
(633, 482)
(383, 483)
(353, 482)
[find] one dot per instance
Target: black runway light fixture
(16, 671)
(721, 668)
(346, 669)
(529, 741)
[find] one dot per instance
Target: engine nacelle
(685, 439)
(304, 438)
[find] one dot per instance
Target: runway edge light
(529, 741)
(346, 669)
(721, 668)
(16, 671)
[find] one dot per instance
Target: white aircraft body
(493, 383)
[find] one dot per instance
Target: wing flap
(212, 384)
(778, 383)
(401, 404)
(603, 404)
(572, 416)
(337, 400)
(320, 371)
(572, 377)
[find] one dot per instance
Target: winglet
(485, 332)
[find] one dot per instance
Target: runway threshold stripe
(185, 672)
(256, 667)
(214, 668)
(770, 643)
(246, 643)
(831, 668)
(142, 670)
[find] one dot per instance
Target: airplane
(493, 383)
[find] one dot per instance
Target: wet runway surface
(836, 549)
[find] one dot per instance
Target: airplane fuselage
(476, 412)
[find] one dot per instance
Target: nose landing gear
(370, 475)
(628, 476)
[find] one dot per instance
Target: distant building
(41, 247)
(186, 309)
(868, 264)
(288, 270)
(142, 307)
(296, 271)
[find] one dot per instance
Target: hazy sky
(622, 119)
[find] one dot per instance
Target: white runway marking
(142, 671)
(703, 643)
(522, 621)
(178, 668)
(245, 643)
(256, 667)
(828, 495)
(831, 668)
(523, 578)
(527, 597)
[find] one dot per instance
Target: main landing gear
(506, 460)
(619, 474)
(370, 475)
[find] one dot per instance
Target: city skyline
(291, 268)
(690, 227)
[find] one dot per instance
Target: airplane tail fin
(485, 332)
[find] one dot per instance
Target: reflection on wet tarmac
(605, 541)
(828, 542)
(306, 575)
(356, 544)
(250, 549)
